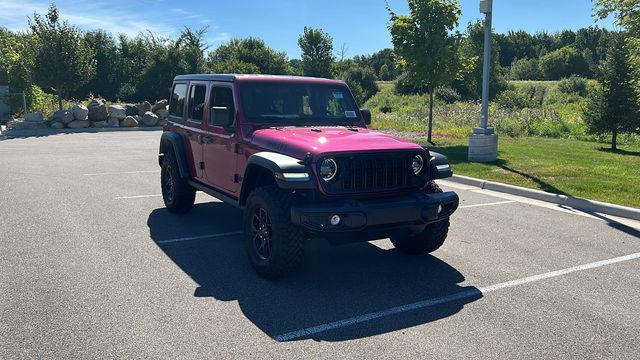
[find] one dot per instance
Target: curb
(47, 132)
(570, 201)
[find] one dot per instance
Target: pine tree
(614, 109)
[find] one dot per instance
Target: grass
(570, 167)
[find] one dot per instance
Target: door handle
(207, 139)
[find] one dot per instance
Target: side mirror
(366, 114)
(220, 116)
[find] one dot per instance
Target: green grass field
(569, 167)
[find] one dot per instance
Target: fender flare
(440, 167)
(281, 167)
(171, 140)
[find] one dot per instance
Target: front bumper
(413, 210)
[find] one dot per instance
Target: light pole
(483, 143)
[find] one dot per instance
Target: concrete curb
(570, 201)
(47, 132)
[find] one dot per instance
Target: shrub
(362, 82)
(405, 85)
(562, 63)
(528, 96)
(525, 69)
(446, 94)
(573, 85)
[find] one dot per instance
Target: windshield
(298, 104)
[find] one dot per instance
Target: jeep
(294, 153)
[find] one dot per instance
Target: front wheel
(273, 243)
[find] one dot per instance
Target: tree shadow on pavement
(336, 282)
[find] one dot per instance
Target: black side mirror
(220, 116)
(366, 114)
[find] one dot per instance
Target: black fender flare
(282, 168)
(172, 140)
(440, 167)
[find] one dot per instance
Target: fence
(11, 104)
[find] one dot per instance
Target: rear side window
(222, 97)
(197, 97)
(176, 106)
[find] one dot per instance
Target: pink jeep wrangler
(295, 154)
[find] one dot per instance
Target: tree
(64, 62)
(614, 109)
(563, 63)
(317, 52)
(525, 69)
(237, 53)
(424, 42)
(361, 81)
(627, 13)
(105, 81)
(471, 50)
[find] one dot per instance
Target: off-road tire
(430, 239)
(287, 240)
(179, 197)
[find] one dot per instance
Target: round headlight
(417, 164)
(328, 169)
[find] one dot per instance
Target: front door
(194, 129)
(219, 144)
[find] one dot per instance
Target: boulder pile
(97, 114)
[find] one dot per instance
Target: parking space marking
(137, 196)
(210, 236)
(487, 204)
(293, 335)
(123, 172)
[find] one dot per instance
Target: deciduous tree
(317, 52)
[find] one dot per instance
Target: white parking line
(137, 196)
(123, 172)
(487, 204)
(198, 237)
(449, 298)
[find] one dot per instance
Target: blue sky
(359, 24)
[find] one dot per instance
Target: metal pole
(485, 70)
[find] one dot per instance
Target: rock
(63, 116)
(149, 119)
(80, 112)
(113, 122)
(117, 111)
(57, 125)
(78, 124)
(131, 109)
(162, 122)
(143, 108)
(129, 121)
(97, 110)
(99, 124)
(160, 104)
(17, 124)
(33, 117)
(162, 113)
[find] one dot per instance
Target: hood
(298, 141)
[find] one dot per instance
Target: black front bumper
(379, 214)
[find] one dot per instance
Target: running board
(215, 193)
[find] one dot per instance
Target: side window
(176, 106)
(222, 97)
(197, 99)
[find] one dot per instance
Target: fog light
(439, 208)
(335, 220)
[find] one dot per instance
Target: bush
(361, 81)
(405, 85)
(528, 96)
(573, 85)
(563, 63)
(446, 94)
(525, 69)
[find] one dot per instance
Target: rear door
(193, 130)
(220, 143)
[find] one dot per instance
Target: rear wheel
(428, 240)
(273, 243)
(177, 194)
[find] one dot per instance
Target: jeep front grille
(373, 173)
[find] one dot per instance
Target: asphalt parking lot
(93, 266)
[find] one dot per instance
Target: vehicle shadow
(336, 282)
